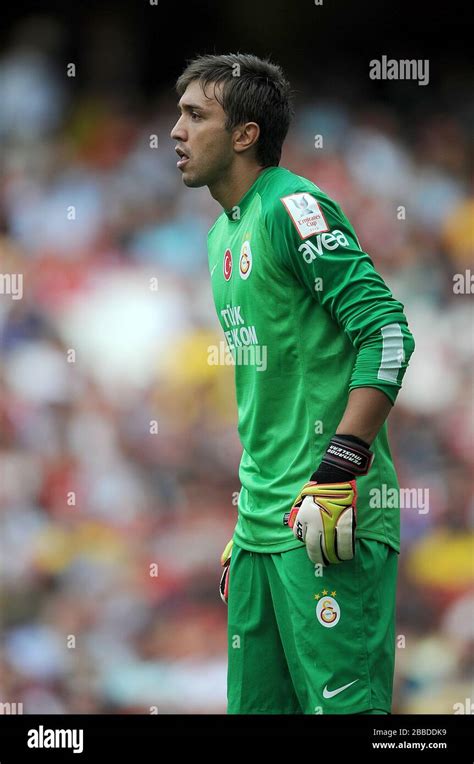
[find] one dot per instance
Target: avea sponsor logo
(323, 241)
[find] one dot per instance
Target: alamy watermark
(12, 284)
(44, 737)
(243, 355)
(463, 283)
(400, 498)
(400, 69)
(10, 708)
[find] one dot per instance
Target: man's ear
(246, 136)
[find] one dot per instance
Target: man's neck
(229, 190)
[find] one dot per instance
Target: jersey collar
(247, 197)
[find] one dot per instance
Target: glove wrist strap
(345, 458)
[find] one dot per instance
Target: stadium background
(87, 624)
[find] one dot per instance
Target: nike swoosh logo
(213, 269)
(330, 693)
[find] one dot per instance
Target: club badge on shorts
(328, 611)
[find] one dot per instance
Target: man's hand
(323, 516)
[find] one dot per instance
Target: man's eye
(195, 115)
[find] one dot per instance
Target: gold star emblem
(333, 594)
(325, 591)
(317, 596)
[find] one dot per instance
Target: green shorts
(309, 640)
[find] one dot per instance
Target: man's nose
(177, 133)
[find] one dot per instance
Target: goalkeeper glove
(225, 562)
(324, 514)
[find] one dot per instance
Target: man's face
(202, 142)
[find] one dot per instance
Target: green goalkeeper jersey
(306, 319)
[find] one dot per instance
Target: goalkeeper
(320, 348)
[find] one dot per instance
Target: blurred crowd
(118, 446)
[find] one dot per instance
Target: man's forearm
(366, 411)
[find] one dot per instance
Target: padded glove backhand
(225, 562)
(323, 517)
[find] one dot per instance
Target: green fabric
(310, 348)
(282, 659)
